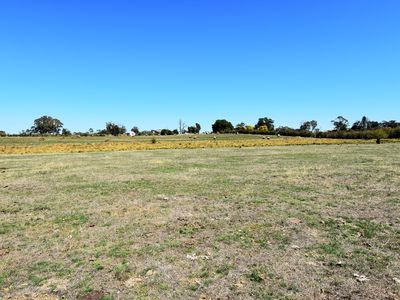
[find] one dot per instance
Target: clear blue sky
(148, 63)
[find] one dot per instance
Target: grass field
(298, 222)
(76, 144)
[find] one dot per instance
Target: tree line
(361, 129)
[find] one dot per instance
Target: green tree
(135, 129)
(262, 129)
(222, 126)
(194, 129)
(390, 124)
(114, 129)
(305, 126)
(314, 125)
(65, 132)
(47, 124)
(166, 132)
(308, 126)
(340, 123)
(265, 122)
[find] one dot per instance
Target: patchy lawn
(296, 222)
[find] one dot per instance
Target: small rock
(397, 280)
(192, 256)
(360, 278)
(295, 247)
(149, 273)
(340, 263)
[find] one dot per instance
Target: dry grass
(253, 223)
(30, 145)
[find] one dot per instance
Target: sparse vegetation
(297, 222)
(75, 144)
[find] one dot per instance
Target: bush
(356, 134)
(166, 132)
(3, 133)
(394, 133)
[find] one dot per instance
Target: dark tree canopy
(308, 126)
(340, 123)
(135, 129)
(265, 122)
(194, 129)
(114, 129)
(390, 124)
(166, 132)
(47, 124)
(65, 131)
(222, 126)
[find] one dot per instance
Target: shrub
(166, 132)
(394, 133)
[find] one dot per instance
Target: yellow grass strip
(141, 145)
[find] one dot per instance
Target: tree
(308, 126)
(191, 129)
(373, 125)
(65, 132)
(47, 124)
(305, 126)
(182, 127)
(194, 129)
(364, 123)
(3, 133)
(361, 125)
(314, 125)
(390, 124)
(340, 123)
(114, 129)
(265, 122)
(222, 126)
(166, 132)
(357, 126)
(262, 129)
(135, 129)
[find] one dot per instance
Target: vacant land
(77, 144)
(298, 222)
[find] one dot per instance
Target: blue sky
(150, 62)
